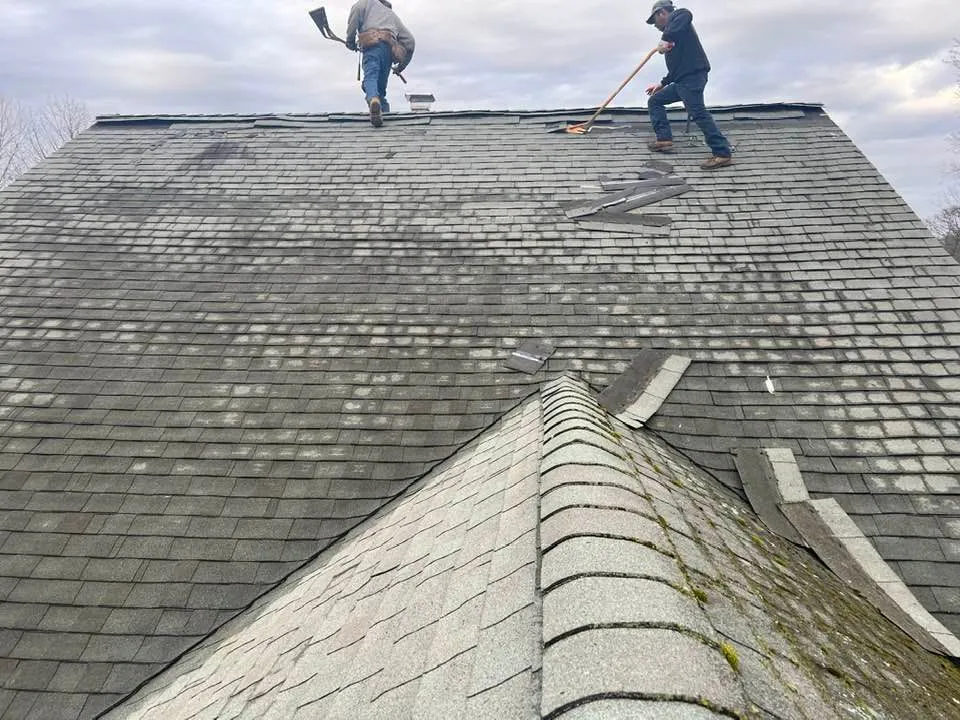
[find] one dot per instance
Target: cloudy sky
(879, 66)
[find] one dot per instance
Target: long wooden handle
(626, 82)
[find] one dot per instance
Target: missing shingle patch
(530, 356)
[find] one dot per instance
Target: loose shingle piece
(530, 356)
(623, 196)
(635, 396)
(226, 344)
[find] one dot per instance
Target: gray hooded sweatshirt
(379, 15)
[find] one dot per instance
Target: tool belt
(369, 38)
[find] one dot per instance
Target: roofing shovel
(319, 17)
(584, 128)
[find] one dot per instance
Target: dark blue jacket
(687, 57)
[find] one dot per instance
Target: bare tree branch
(946, 226)
(56, 123)
(27, 136)
(12, 140)
(946, 223)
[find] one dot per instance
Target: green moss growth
(841, 676)
(700, 595)
(730, 653)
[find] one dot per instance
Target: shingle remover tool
(319, 17)
(584, 128)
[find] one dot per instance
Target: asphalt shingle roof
(224, 342)
(559, 559)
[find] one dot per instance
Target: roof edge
(118, 119)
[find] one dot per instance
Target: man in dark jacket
(687, 70)
(375, 27)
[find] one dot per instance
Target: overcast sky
(879, 66)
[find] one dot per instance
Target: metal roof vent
(420, 103)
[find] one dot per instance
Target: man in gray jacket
(384, 40)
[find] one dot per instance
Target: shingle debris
(632, 196)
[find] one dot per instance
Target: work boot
(717, 161)
(376, 116)
(661, 146)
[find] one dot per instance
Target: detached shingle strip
(786, 474)
(612, 183)
(530, 357)
(644, 386)
(639, 194)
(840, 544)
(775, 487)
(767, 489)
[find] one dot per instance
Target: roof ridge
(593, 508)
(120, 118)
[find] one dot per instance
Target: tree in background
(28, 135)
(946, 223)
(11, 140)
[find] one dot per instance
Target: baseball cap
(657, 7)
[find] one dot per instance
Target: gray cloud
(876, 64)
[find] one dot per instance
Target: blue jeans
(690, 91)
(377, 61)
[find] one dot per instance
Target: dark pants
(377, 61)
(690, 91)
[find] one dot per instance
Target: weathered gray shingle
(428, 605)
(213, 333)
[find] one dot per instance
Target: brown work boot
(661, 146)
(376, 116)
(717, 161)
